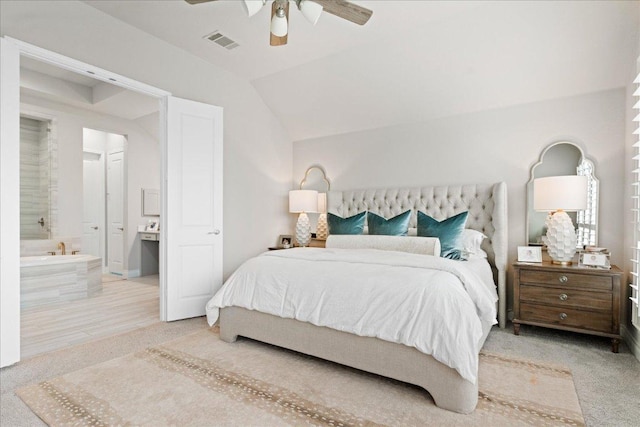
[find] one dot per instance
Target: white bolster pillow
(411, 244)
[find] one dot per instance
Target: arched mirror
(315, 178)
(565, 158)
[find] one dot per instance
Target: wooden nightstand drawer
(563, 278)
(568, 298)
(565, 297)
(591, 320)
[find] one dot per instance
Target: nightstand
(317, 243)
(314, 243)
(568, 298)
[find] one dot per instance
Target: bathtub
(51, 279)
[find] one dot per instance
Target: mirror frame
(323, 181)
(324, 178)
(529, 195)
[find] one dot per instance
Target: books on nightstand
(594, 257)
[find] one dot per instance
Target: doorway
(177, 135)
(104, 194)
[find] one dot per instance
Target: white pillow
(410, 244)
(471, 242)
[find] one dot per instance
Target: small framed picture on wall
(529, 254)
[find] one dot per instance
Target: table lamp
(322, 229)
(302, 202)
(557, 195)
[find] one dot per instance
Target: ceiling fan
(311, 10)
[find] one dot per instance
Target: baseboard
(632, 342)
(133, 273)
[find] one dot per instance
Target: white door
(93, 203)
(115, 216)
(9, 203)
(192, 207)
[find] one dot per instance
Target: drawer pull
(563, 316)
(563, 297)
(563, 279)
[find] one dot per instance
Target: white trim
(80, 67)
(9, 209)
(164, 105)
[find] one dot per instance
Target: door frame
(9, 181)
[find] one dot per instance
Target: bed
(405, 356)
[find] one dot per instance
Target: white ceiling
(46, 81)
(413, 61)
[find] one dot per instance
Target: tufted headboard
(486, 203)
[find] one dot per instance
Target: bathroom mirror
(38, 178)
(315, 178)
(565, 158)
(150, 202)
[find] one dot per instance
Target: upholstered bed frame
(487, 206)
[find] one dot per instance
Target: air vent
(222, 40)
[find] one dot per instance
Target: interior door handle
(216, 231)
(95, 228)
(120, 228)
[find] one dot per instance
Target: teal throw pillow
(352, 225)
(448, 231)
(396, 226)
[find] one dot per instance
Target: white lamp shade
(303, 201)
(322, 202)
(311, 11)
(567, 193)
(279, 26)
(251, 7)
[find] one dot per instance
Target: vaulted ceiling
(413, 61)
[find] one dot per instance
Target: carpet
(199, 380)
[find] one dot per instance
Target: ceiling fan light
(279, 25)
(310, 10)
(251, 7)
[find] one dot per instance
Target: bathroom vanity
(150, 251)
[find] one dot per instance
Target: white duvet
(434, 304)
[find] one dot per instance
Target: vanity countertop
(142, 229)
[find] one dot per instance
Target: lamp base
(322, 229)
(303, 230)
(565, 263)
(561, 238)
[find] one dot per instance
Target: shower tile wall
(34, 179)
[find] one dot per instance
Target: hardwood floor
(123, 305)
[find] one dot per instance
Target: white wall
(142, 166)
(490, 146)
(257, 151)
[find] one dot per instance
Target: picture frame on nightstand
(285, 241)
(529, 254)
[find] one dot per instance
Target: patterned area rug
(199, 380)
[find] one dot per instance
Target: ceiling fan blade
(345, 10)
(198, 1)
(275, 40)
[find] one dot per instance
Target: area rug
(199, 380)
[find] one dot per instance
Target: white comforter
(430, 303)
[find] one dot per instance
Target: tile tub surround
(42, 247)
(51, 279)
